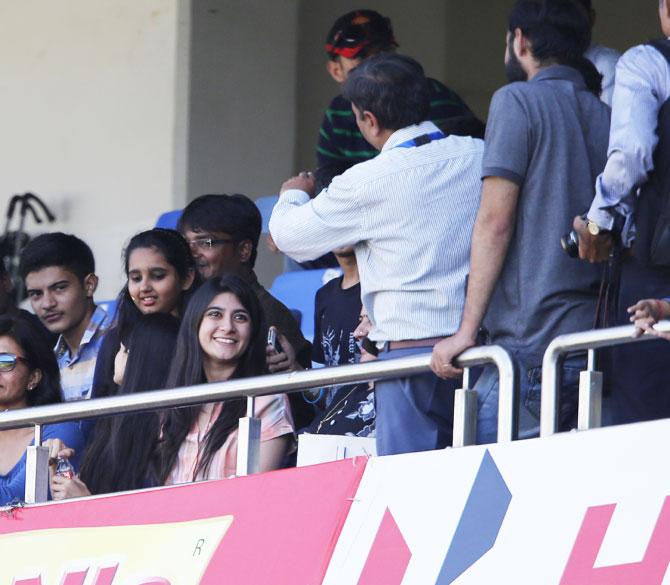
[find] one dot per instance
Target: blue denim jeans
(414, 413)
(529, 398)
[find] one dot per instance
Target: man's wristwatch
(594, 229)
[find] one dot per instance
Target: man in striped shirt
(59, 274)
(354, 37)
(408, 213)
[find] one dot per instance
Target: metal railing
(465, 411)
(590, 380)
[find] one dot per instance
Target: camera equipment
(570, 244)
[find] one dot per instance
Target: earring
(31, 387)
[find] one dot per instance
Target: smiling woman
(29, 376)
(222, 336)
(161, 276)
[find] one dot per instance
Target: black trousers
(640, 372)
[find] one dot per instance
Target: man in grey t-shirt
(546, 141)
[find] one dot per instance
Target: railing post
(508, 395)
(465, 413)
(249, 441)
(590, 396)
(37, 471)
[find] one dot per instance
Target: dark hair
(40, 356)
(392, 87)
(359, 34)
(177, 254)
(558, 30)
(235, 215)
(121, 449)
(467, 125)
(57, 249)
(187, 370)
(587, 4)
(592, 77)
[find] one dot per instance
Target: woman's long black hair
(121, 449)
(187, 369)
(40, 356)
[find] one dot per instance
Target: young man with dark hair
(223, 232)
(632, 199)
(59, 274)
(353, 38)
(407, 214)
(546, 141)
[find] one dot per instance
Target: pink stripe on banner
(650, 570)
(389, 555)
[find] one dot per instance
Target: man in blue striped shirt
(59, 273)
(408, 213)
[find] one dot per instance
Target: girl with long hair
(222, 337)
(29, 376)
(161, 275)
(121, 448)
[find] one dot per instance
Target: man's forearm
(491, 236)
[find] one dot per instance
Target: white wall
(242, 102)
(88, 109)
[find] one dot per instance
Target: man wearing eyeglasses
(223, 232)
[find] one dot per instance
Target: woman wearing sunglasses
(29, 376)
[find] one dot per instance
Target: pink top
(276, 420)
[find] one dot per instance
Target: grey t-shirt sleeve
(507, 151)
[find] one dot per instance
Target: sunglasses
(8, 361)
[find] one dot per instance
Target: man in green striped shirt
(353, 37)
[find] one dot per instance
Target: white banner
(573, 509)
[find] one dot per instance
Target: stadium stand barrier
(590, 380)
(249, 442)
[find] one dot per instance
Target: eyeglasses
(8, 361)
(209, 243)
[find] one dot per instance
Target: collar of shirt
(94, 325)
(408, 133)
(563, 72)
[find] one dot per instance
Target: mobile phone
(273, 341)
(369, 346)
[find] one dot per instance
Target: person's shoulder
(600, 53)
(518, 91)
(339, 108)
(643, 55)
(331, 287)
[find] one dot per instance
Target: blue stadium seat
(297, 289)
(169, 219)
(265, 206)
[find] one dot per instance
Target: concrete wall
(87, 95)
(117, 110)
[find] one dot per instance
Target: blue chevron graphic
(480, 522)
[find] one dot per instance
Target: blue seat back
(297, 291)
(169, 219)
(265, 206)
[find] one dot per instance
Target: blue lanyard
(421, 140)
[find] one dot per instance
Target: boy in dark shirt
(349, 409)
